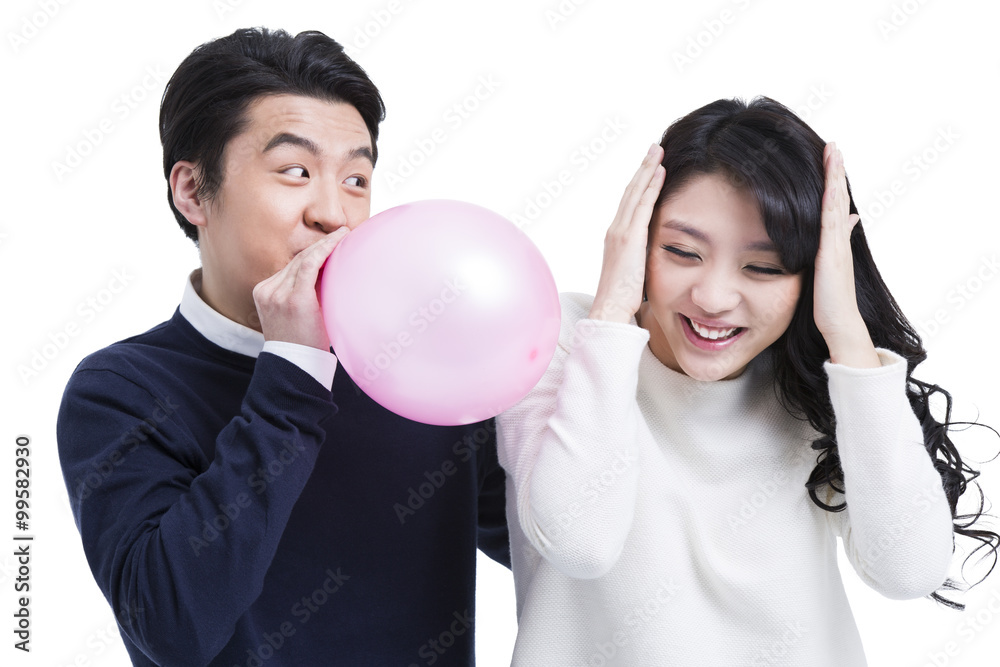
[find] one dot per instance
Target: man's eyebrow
(679, 225)
(294, 140)
(361, 152)
(287, 138)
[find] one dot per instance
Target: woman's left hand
(835, 304)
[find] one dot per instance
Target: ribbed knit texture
(658, 520)
(236, 512)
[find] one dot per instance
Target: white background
(884, 79)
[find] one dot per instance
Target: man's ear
(184, 189)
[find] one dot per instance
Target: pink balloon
(442, 311)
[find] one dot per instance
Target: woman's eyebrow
(685, 228)
(766, 245)
(762, 246)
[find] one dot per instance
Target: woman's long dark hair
(764, 147)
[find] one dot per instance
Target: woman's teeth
(710, 333)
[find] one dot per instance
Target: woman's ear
(184, 190)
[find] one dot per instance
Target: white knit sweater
(657, 520)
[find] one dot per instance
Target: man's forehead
(314, 119)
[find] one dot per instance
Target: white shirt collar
(215, 326)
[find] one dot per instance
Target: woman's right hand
(619, 292)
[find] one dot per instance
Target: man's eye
(356, 181)
(301, 172)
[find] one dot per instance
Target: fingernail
(652, 149)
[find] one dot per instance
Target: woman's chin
(710, 370)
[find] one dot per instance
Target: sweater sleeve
(493, 539)
(897, 528)
(179, 544)
(571, 447)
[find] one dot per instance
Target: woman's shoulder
(575, 305)
(577, 326)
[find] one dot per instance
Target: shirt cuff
(891, 362)
(320, 364)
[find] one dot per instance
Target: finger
(835, 198)
(843, 197)
(830, 176)
(639, 184)
(644, 208)
(305, 265)
(311, 260)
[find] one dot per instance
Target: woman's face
(717, 292)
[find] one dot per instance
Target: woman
(666, 501)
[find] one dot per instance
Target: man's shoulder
(139, 353)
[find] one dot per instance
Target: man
(233, 508)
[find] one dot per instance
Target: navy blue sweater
(235, 512)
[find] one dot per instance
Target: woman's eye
(680, 253)
(356, 181)
(766, 270)
(301, 172)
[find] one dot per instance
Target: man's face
(301, 168)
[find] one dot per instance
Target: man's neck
(210, 292)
